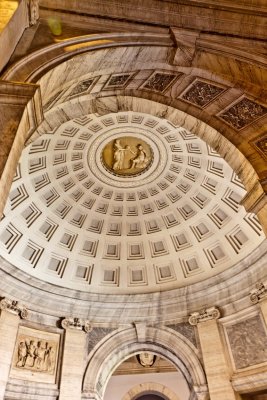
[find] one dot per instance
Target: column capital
(14, 307)
(77, 323)
(204, 315)
(258, 293)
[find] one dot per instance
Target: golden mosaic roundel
(127, 156)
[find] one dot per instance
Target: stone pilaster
(11, 312)
(73, 364)
(216, 368)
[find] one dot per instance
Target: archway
(123, 343)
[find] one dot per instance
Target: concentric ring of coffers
(163, 212)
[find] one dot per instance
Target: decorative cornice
(76, 323)
(14, 307)
(204, 315)
(258, 293)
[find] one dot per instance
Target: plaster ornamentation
(258, 293)
(204, 315)
(159, 81)
(243, 113)
(76, 323)
(14, 307)
(202, 93)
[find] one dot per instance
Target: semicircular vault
(125, 202)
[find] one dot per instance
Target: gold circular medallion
(127, 156)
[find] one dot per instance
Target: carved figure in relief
(141, 160)
(50, 359)
(22, 354)
(39, 356)
(119, 155)
(30, 353)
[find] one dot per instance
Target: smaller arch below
(150, 388)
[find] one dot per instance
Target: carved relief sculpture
(35, 355)
(118, 81)
(243, 113)
(127, 156)
(159, 82)
(202, 93)
(204, 315)
(146, 359)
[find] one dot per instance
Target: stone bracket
(258, 293)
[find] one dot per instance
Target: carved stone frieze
(258, 293)
(159, 81)
(247, 347)
(14, 307)
(202, 93)
(243, 113)
(204, 315)
(76, 323)
(35, 355)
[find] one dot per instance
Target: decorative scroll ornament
(76, 323)
(204, 315)
(258, 293)
(14, 307)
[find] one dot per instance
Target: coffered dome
(122, 203)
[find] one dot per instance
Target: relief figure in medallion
(140, 160)
(119, 155)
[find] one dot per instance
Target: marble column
(73, 364)
(11, 312)
(216, 368)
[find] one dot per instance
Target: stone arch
(126, 342)
(150, 387)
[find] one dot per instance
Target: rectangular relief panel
(35, 355)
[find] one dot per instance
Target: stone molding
(258, 293)
(76, 323)
(204, 315)
(14, 307)
(150, 387)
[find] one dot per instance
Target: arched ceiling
(73, 220)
